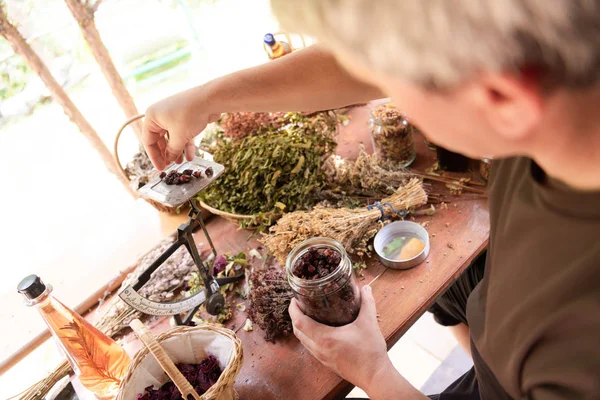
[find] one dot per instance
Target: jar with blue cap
(276, 48)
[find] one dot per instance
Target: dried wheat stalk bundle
(353, 228)
(368, 175)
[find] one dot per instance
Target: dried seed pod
(185, 178)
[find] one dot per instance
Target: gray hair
(440, 43)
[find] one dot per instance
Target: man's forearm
(306, 80)
(387, 383)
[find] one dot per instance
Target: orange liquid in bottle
(99, 362)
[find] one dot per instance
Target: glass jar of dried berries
(392, 135)
(320, 274)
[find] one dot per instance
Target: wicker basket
(235, 218)
(254, 221)
(187, 345)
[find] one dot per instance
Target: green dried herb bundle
(278, 170)
(353, 228)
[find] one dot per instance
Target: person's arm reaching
(387, 383)
(357, 352)
(306, 80)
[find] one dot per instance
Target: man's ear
(512, 105)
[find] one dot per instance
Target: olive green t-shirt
(535, 317)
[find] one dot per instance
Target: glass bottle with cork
(276, 48)
(98, 361)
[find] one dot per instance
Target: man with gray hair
(515, 80)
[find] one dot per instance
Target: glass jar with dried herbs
(485, 166)
(320, 274)
(392, 135)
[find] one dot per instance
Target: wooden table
(286, 370)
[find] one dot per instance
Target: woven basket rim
(227, 378)
(234, 218)
(225, 214)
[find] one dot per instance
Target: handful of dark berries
(201, 376)
(179, 178)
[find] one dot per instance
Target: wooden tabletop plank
(285, 370)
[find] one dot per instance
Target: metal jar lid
(401, 229)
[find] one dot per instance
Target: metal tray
(176, 195)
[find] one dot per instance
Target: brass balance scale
(175, 196)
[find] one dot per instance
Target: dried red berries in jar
(320, 274)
